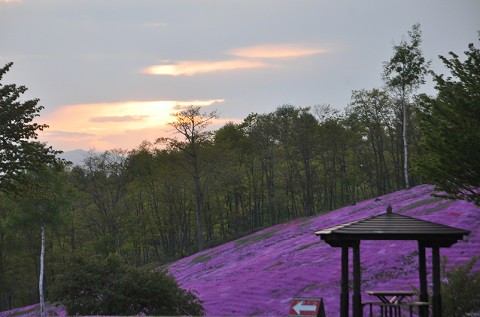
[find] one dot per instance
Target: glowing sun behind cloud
(112, 125)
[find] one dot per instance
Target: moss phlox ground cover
(258, 275)
(261, 273)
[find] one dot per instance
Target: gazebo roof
(392, 226)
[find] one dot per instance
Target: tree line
(172, 197)
(160, 203)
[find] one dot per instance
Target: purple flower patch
(260, 274)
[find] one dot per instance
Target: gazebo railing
(395, 310)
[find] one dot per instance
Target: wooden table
(391, 299)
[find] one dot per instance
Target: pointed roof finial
(389, 209)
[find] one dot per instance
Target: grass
(202, 258)
(273, 265)
(422, 202)
(309, 287)
(307, 246)
(24, 312)
(441, 206)
(257, 237)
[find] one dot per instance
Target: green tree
(232, 147)
(22, 158)
(404, 73)
(460, 285)
(450, 124)
(373, 112)
(19, 150)
(334, 144)
(261, 131)
(107, 286)
(104, 178)
(159, 206)
(42, 202)
(297, 133)
(191, 124)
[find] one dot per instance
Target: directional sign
(307, 306)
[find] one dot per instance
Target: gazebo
(391, 226)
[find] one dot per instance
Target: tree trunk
(198, 210)
(405, 145)
(42, 269)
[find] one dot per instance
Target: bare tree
(191, 124)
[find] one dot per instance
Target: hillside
(259, 274)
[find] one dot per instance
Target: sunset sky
(110, 73)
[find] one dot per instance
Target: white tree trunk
(405, 146)
(42, 269)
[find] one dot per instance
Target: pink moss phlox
(261, 273)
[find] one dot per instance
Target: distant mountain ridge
(75, 156)
(259, 274)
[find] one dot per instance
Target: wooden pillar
(422, 272)
(357, 297)
(344, 284)
(436, 298)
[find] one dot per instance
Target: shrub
(460, 288)
(109, 287)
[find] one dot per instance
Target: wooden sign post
(307, 307)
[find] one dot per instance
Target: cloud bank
(275, 51)
(251, 57)
(198, 67)
(105, 126)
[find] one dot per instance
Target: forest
(171, 197)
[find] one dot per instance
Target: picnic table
(389, 301)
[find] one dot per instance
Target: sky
(111, 73)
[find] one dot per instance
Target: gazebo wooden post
(436, 298)
(391, 226)
(422, 270)
(344, 284)
(356, 297)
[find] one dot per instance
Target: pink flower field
(261, 273)
(258, 275)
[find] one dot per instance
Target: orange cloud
(9, 1)
(198, 67)
(118, 118)
(252, 58)
(105, 126)
(275, 51)
(131, 139)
